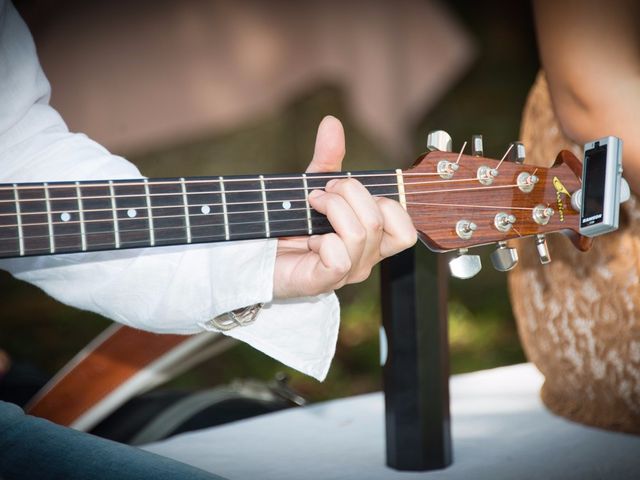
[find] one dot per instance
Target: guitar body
(579, 316)
(119, 364)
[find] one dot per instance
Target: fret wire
(306, 201)
(264, 202)
(224, 209)
(116, 230)
(185, 201)
(401, 194)
(18, 220)
(152, 237)
(83, 233)
(52, 243)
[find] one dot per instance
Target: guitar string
(232, 179)
(156, 229)
(302, 219)
(228, 204)
(181, 206)
(145, 243)
(504, 156)
(213, 192)
(206, 192)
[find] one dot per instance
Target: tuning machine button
(543, 249)
(504, 258)
(516, 153)
(464, 265)
(439, 140)
(477, 148)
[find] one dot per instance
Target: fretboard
(70, 217)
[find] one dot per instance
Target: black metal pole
(416, 372)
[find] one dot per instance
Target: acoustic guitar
(456, 202)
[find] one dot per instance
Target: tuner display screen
(595, 165)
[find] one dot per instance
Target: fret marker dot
(131, 213)
(65, 217)
(205, 209)
(286, 204)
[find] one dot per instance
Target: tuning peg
(543, 249)
(439, 140)
(477, 148)
(504, 258)
(517, 152)
(625, 191)
(464, 265)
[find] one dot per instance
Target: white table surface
(501, 430)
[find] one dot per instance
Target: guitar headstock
(459, 201)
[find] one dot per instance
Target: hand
(367, 229)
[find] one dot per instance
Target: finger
(334, 262)
(330, 147)
(343, 220)
(370, 217)
(399, 232)
(287, 244)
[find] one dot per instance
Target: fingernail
(331, 183)
(316, 193)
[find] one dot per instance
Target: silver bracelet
(241, 317)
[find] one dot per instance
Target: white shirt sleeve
(167, 289)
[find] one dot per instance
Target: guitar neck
(69, 217)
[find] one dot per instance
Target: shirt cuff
(299, 332)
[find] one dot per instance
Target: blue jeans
(33, 448)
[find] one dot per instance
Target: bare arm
(590, 51)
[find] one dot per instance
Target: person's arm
(143, 287)
(178, 289)
(590, 52)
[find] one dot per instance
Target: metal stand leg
(416, 373)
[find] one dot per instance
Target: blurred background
(228, 87)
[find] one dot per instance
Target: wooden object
(117, 365)
(66, 217)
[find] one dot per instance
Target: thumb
(330, 148)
